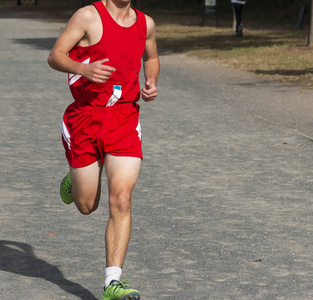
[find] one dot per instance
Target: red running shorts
(88, 133)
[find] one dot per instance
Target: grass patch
(270, 46)
(279, 53)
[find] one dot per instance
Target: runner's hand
(97, 71)
(149, 92)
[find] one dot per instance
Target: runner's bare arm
(151, 63)
(76, 30)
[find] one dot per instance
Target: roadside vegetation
(271, 46)
(273, 49)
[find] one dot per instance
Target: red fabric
(124, 47)
(88, 133)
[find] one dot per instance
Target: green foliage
(172, 5)
(278, 4)
(263, 5)
(256, 12)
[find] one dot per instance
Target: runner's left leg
(122, 174)
(86, 187)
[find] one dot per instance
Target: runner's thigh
(122, 173)
(86, 184)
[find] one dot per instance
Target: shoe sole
(131, 296)
(66, 202)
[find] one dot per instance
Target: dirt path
(223, 207)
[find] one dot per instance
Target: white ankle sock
(112, 273)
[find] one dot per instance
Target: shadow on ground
(218, 42)
(19, 258)
(37, 43)
(295, 73)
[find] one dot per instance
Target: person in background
(238, 6)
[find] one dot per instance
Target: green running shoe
(65, 189)
(117, 290)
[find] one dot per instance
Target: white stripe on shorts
(66, 135)
(138, 128)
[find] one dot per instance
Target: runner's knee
(86, 206)
(85, 209)
(121, 203)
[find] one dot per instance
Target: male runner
(101, 48)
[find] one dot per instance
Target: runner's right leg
(86, 187)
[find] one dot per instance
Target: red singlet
(104, 117)
(124, 47)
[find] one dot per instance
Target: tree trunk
(310, 37)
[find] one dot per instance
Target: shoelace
(118, 285)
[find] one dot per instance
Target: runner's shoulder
(86, 14)
(150, 25)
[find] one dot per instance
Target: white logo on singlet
(117, 93)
